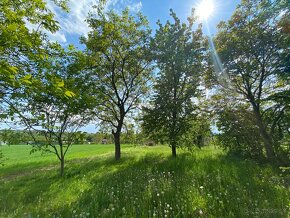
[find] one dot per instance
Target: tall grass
(147, 182)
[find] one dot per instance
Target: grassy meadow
(146, 182)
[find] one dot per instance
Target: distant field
(146, 182)
(18, 157)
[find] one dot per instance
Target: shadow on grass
(148, 185)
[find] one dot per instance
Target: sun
(204, 9)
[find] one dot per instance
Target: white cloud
(118, 5)
(58, 36)
(135, 7)
(74, 21)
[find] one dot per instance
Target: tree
(14, 137)
(117, 48)
(21, 47)
(253, 48)
(57, 107)
(178, 53)
(24, 50)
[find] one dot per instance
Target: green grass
(146, 182)
(18, 157)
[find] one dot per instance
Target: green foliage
(146, 182)
(278, 117)
(239, 134)
(178, 52)
(20, 46)
(14, 137)
(198, 134)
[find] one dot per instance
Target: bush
(239, 133)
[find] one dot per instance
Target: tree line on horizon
(125, 75)
(129, 136)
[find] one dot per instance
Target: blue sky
(73, 24)
(159, 9)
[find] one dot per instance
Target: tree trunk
(117, 134)
(173, 131)
(117, 145)
(61, 156)
(267, 142)
(173, 148)
(61, 166)
(267, 139)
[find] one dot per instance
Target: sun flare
(205, 9)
